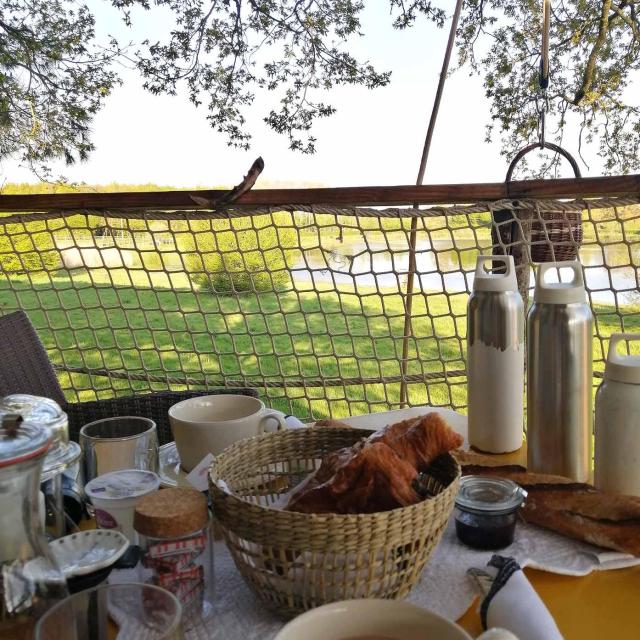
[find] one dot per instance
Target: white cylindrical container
(495, 358)
(115, 495)
(617, 428)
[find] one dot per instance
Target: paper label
(198, 477)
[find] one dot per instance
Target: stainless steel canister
(559, 376)
(495, 358)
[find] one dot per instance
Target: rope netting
(307, 304)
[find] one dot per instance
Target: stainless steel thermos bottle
(495, 358)
(559, 375)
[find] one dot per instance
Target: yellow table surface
(600, 605)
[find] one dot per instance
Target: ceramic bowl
(85, 552)
(370, 618)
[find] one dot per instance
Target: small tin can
(176, 544)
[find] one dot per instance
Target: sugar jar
(617, 427)
(176, 542)
(30, 580)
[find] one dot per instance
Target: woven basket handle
(546, 145)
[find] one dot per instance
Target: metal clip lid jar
(486, 510)
(30, 581)
(48, 414)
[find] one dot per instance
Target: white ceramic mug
(383, 619)
(209, 424)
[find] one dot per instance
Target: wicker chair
(25, 368)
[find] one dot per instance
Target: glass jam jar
(486, 511)
(30, 580)
(176, 544)
(61, 457)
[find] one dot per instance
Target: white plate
(171, 475)
(87, 551)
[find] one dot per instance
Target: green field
(149, 319)
(291, 335)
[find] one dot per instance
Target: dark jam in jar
(486, 511)
(485, 532)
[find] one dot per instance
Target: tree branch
(590, 70)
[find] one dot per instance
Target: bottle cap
(560, 292)
(487, 281)
(622, 367)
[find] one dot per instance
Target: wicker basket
(556, 236)
(295, 561)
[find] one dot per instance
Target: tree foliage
(54, 76)
(227, 50)
(594, 58)
(53, 80)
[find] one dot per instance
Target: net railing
(308, 304)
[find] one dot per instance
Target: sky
(375, 138)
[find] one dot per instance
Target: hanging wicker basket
(555, 235)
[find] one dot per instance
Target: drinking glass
(129, 611)
(113, 444)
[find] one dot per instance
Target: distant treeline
(23, 188)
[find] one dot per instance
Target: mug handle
(276, 415)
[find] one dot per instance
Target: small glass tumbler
(129, 611)
(113, 444)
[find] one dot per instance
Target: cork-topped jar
(174, 526)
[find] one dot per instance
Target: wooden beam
(363, 196)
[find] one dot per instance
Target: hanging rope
(408, 326)
(543, 79)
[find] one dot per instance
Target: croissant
(421, 440)
(371, 478)
(377, 473)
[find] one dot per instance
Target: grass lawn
(108, 321)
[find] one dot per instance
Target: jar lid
(45, 413)
(560, 292)
(21, 441)
(488, 495)
(171, 513)
(622, 367)
(121, 485)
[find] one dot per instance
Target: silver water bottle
(559, 376)
(495, 358)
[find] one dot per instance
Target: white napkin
(293, 423)
(513, 604)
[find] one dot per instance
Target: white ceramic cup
(209, 424)
(378, 619)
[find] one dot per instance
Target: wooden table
(600, 605)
